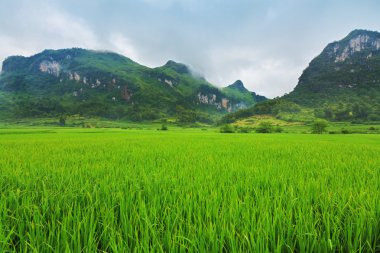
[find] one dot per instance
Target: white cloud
(44, 27)
(65, 29)
(124, 46)
(260, 72)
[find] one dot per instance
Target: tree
(62, 120)
(264, 127)
(185, 116)
(319, 126)
(278, 129)
(227, 129)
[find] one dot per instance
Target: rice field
(111, 190)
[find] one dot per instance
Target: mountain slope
(106, 84)
(238, 91)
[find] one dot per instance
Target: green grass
(114, 190)
(305, 127)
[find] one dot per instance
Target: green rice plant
(109, 190)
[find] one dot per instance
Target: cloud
(123, 45)
(43, 26)
(259, 71)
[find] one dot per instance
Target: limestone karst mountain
(106, 84)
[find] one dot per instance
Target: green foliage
(164, 127)
(227, 129)
(355, 111)
(278, 129)
(62, 120)
(276, 106)
(264, 127)
(185, 116)
(273, 107)
(244, 130)
(319, 126)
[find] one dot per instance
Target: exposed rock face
(169, 82)
(76, 77)
(50, 67)
(225, 103)
(221, 103)
(357, 41)
(209, 99)
(125, 93)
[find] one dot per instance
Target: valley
(100, 153)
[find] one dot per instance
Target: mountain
(106, 84)
(340, 84)
(343, 82)
(238, 91)
(346, 70)
(238, 85)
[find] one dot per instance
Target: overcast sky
(265, 43)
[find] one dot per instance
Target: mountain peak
(178, 67)
(238, 85)
(361, 32)
(357, 41)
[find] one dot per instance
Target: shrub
(345, 131)
(278, 129)
(319, 126)
(164, 127)
(264, 127)
(244, 129)
(62, 120)
(227, 129)
(373, 117)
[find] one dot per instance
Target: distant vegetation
(277, 107)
